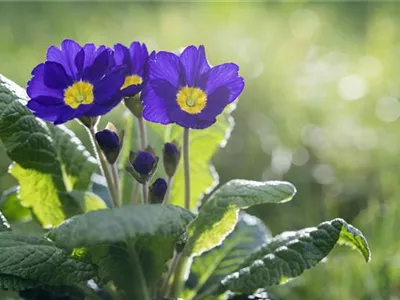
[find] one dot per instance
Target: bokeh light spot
(352, 87)
(388, 109)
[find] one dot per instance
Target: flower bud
(171, 156)
(134, 104)
(143, 165)
(109, 142)
(158, 190)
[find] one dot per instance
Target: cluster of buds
(142, 164)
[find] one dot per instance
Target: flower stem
(142, 145)
(186, 166)
(115, 177)
(142, 133)
(169, 186)
(104, 166)
(177, 284)
(164, 290)
(145, 193)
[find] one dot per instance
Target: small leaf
(49, 160)
(287, 255)
(218, 216)
(212, 266)
(27, 260)
(119, 238)
(11, 206)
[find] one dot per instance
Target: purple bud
(108, 140)
(144, 163)
(158, 190)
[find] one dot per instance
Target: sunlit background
(320, 109)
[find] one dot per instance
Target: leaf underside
(287, 255)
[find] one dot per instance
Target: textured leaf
(203, 145)
(15, 283)
(48, 157)
(287, 255)
(218, 216)
(27, 260)
(119, 238)
(11, 206)
(212, 266)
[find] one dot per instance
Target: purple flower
(75, 81)
(186, 90)
(135, 59)
(144, 163)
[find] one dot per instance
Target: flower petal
(165, 65)
(216, 102)
(55, 76)
(139, 56)
(223, 75)
(36, 86)
(94, 72)
(193, 63)
(109, 86)
(65, 56)
(122, 57)
(182, 118)
(154, 106)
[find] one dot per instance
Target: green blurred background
(320, 109)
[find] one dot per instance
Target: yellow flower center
(80, 92)
(131, 80)
(191, 99)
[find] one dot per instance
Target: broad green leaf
(49, 160)
(28, 260)
(203, 145)
(287, 255)
(219, 215)
(11, 206)
(212, 266)
(119, 238)
(15, 283)
(87, 201)
(38, 191)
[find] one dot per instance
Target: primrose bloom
(75, 81)
(135, 60)
(186, 90)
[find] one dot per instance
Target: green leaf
(212, 266)
(26, 261)
(119, 238)
(49, 160)
(203, 145)
(218, 216)
(87, 201)
(287, 255)
(11, 206)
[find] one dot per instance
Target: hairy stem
(145, 193)
(115, 177)
(177, 284)
(164, 290)
(142, 133)
(103, 164)
(186, 166)
(168, 194)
